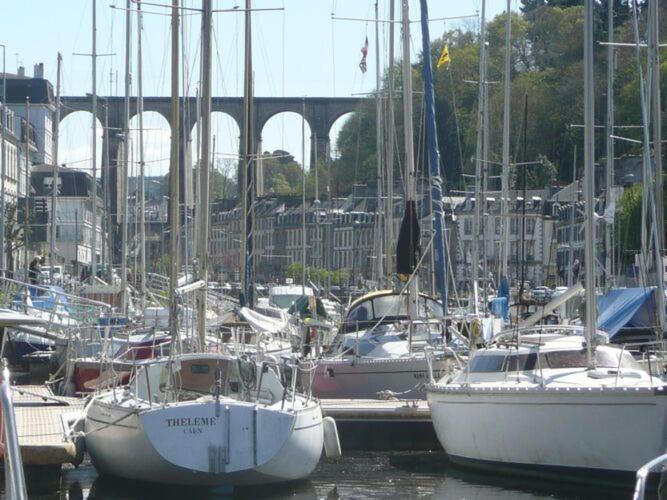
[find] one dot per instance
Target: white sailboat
(555, 399)
(205, 419)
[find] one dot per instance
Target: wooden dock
(378, 424)
(42, 423)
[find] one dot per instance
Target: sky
(299, 50)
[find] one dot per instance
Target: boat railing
(659, 352)
(61, 305)
(658, 464)
(14, 479)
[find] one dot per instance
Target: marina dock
(42, 422)
(376, 424)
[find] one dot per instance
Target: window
(483, 363)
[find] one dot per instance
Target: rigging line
(223, 82)
(284, 23)
(333, 51)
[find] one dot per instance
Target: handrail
(14, 478)
(64, 294)
(642, 475)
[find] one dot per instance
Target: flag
(444, 57)
(364, 52)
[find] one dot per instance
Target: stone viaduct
(320, 114)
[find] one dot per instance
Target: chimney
(21, 71)
(39, 70)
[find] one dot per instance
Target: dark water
(356, 475)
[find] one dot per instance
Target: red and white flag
(364, 52)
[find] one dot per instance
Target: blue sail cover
(626, 308)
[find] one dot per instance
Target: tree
(628, 220)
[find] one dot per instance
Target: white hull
(186, 443)
(364, 378)
(601, 429)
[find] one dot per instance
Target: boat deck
(378, 424)
(41, 421)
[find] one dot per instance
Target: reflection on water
(356, 475)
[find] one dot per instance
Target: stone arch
(75, 142)
(157, 136)
(225, 132)
(284, 132)
(334, 130)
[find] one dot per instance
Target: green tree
(628, 219)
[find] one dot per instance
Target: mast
(142, 164)
(589, 182)
(408, 240)
(647, 175)
(247, 192)
(126, 160)
(3, 159)
(434, 158)
(54, 185)
(481, 87)
(303, 197)
(505, 176)
(389, 210)
(609, 164)
(93, 193)
(573, 210)
(378, 143)
(657, 119)
(26, 218)
(174, 216)
(204, 168)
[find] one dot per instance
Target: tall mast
(93, 192)
(126, 160)
(174, 215)
(609, 164)
(204, 168)
(654, 13)
(589, 181)
(3, 159)
(389, 209)
(410, 223)
(504, 179)
(378, 267)
(434, 158)
(247, 192)
(142, 164)
(26, 218)
(54, 182)
(481, 87)
(647, 176)
(303, 197)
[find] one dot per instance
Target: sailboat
(555, 399)
(205, 418)
(381, 348)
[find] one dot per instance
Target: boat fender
(331, 442)
(79, 441)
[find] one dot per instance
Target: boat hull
(600, 429)
(189, 445)
(364, 378)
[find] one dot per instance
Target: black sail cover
(407, 248)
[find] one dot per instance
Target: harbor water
(355, 475)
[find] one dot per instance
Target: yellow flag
(444, 57)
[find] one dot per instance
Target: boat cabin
(192, 376)
(387, 306)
